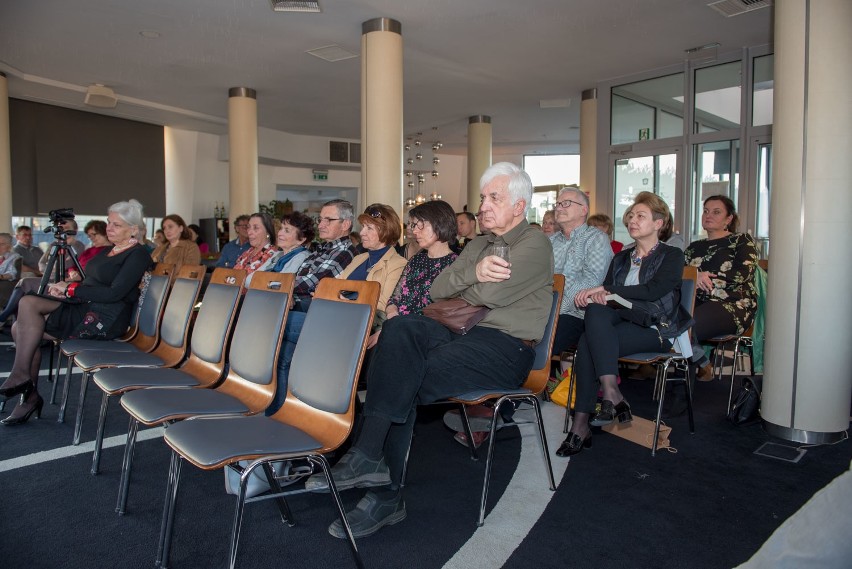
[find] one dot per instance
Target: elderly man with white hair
(419, 361)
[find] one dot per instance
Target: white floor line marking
(65, 452)
(43, 373)
(523, 502)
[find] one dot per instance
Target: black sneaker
(370, 515)
(353, 470)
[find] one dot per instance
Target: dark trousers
(568, 331)
(607, 337)
(711, 320)
(418, 361)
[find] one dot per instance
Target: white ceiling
(461, 58)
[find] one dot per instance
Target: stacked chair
(248, 386)
(144, 338)
(170, 351)
(316, 417)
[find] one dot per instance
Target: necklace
(636, 259)
(116, 249)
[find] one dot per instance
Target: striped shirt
(583, 257)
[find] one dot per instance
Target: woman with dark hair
(195, 237)
(97, 308)
(380, 230)
(726, 297)
(294, 237)
(179, 248)
(261, 228)
(649, 274)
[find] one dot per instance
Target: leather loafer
(610, 412)
(573, 444)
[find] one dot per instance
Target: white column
(589, 146)
(242, 151)
(5, 159)
(478, 156)
(381, 113)
(808, 382)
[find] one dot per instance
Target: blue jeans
(292, 331)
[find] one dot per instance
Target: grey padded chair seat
(212, 442)
(480, 393)
(113, 380)
(75, 346)
(90, 359)
(159, 405)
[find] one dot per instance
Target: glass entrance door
(656, 173)
(762, 189)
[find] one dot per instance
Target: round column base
(800, 436)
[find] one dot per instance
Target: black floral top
(732, 259)
(412, 291)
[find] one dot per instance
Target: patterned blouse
(252, 261)
(412, 291)
(732, 259)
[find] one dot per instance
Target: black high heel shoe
(574, 444)
(34, 408)
(610, 412)
(25, 388)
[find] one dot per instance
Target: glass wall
(718, 95)
(716, 172)
(655, 174)
(647, 110)
(763, 88)
(547, 173)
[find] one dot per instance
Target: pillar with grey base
(242, 152)
(808, 372)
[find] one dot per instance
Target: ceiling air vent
(339, 151)
(99, 96)
(730, 8)
(294, 6)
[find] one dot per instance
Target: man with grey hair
(329, 260)
(419, 361)
(581, 253)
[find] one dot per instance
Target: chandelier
(421, 164)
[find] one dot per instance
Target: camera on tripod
(57, 217)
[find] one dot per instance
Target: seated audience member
(466, 228)
(410, 248)
(96, 230)
(179, 248)
(30, 254)
(195, 236)
(100, 308)
(294, 237)
(603, 222)
(329, 260)
(726, 297)
(548, 223)
(419, 361)
(649, 274)
(233, 249)
(8, 271)
(355, 237)
(159, 238)
(675, 239)
(260, 231)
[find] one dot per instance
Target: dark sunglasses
(374, 212)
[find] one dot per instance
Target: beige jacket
(386, 272)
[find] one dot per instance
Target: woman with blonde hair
(648, 274)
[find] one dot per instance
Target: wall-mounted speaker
(100, 96)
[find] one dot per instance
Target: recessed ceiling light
(150, 34)
(332, 53)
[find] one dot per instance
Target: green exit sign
(320, 175)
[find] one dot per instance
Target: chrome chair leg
(662, 370)
(488, 459)
(78, 423)
(99, 437)
(53, 387)
(320, 461)
(238, 518)
(126, 464)
(283, 506)
(571, 382)
(169, 511)
(687, 369)
(542, 439)
(65, 388)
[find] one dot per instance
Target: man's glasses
(418, 225)
(565, 204)
(322, 220)
(374, 212)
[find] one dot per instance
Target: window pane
(717, 171)
(647, 110)
(549, 170)
(657, 174)
(762, 90)
(717, 97)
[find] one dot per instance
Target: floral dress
(412, 291)
(252, 260)
(732, 259)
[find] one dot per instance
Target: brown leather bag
(457, 314)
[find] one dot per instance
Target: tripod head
(57, 218)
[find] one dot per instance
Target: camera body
(57, 216)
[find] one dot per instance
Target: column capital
(479, 119)
(590, 94)
(242, 92)
(381, 25)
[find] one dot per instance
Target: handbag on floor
(746, 405)
(457, 314)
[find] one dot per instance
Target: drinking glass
(501, 251)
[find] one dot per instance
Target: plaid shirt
(583, 257)
(327, 261)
